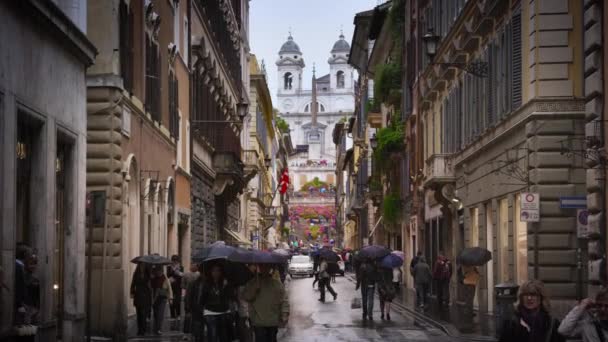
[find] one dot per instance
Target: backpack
(333, 268)
(443, 270)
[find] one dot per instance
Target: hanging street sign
(573, 202)
(530, 207)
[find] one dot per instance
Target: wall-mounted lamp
(431, 41)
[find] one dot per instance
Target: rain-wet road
(313, 321)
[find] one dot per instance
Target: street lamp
(431, 41)
(267, 162)
(373, 141)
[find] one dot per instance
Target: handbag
(355, 303)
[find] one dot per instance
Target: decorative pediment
(308, 125)
(286, 61)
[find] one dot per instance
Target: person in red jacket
(442, 272)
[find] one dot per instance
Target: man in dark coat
(194, 309)
(366, 280)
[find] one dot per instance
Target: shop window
(474, 237)
(521, 244)
(503, 240)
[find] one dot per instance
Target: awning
(239, 239)
(376, 226)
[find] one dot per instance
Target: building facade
(43, 142)
(219, 103)
(260, 133)
(138, 104)
(494, 128)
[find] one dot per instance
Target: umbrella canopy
(374, 252)
(329, 255)
(400, 254)
(474, 256)
(391, 261)
(152, 259)
(256, 257)
(238, 274)
(217, 250)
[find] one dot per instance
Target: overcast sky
(315, 26)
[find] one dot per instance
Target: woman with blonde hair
(532, 320)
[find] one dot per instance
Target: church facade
(313, 113)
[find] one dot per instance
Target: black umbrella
(329, 255)
(152, 259)
(256, 257)
(237, 274)
(217, 250)
(474, 256)
(373, 252)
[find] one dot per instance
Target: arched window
(287, 80)
(340, 79)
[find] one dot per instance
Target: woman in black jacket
(532, 321)
(216, 297)
(141, 293)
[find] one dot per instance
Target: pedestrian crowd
(216, 308)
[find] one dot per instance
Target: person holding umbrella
(325, 280)
(193, 307)
(175, 273)
(161, 293)
(217, 294)
(468, 260)
(269, 306)
(386, 292)
(366, 280)
(141, 293)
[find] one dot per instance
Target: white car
(301, 265)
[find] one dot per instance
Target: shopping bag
(355, 303)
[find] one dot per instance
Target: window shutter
(516, 97)
(176, 101)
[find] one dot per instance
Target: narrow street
(312, 321)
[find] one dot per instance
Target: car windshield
(300, 260)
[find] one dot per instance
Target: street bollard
(506, 296)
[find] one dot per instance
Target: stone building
(220, 81)
(259, 134)
(136, 141)
(43, 147)
(498, 98)
(595, 17)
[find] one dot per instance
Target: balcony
(374, 114)
(439, 170)
(230, 176)
(251, 163)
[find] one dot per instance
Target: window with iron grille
(173, 106)
(126, 45)
(152, 79)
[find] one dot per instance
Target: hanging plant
(396, 19)
(387, 78)
(391, 208)
(372, 106)
(390, 139)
